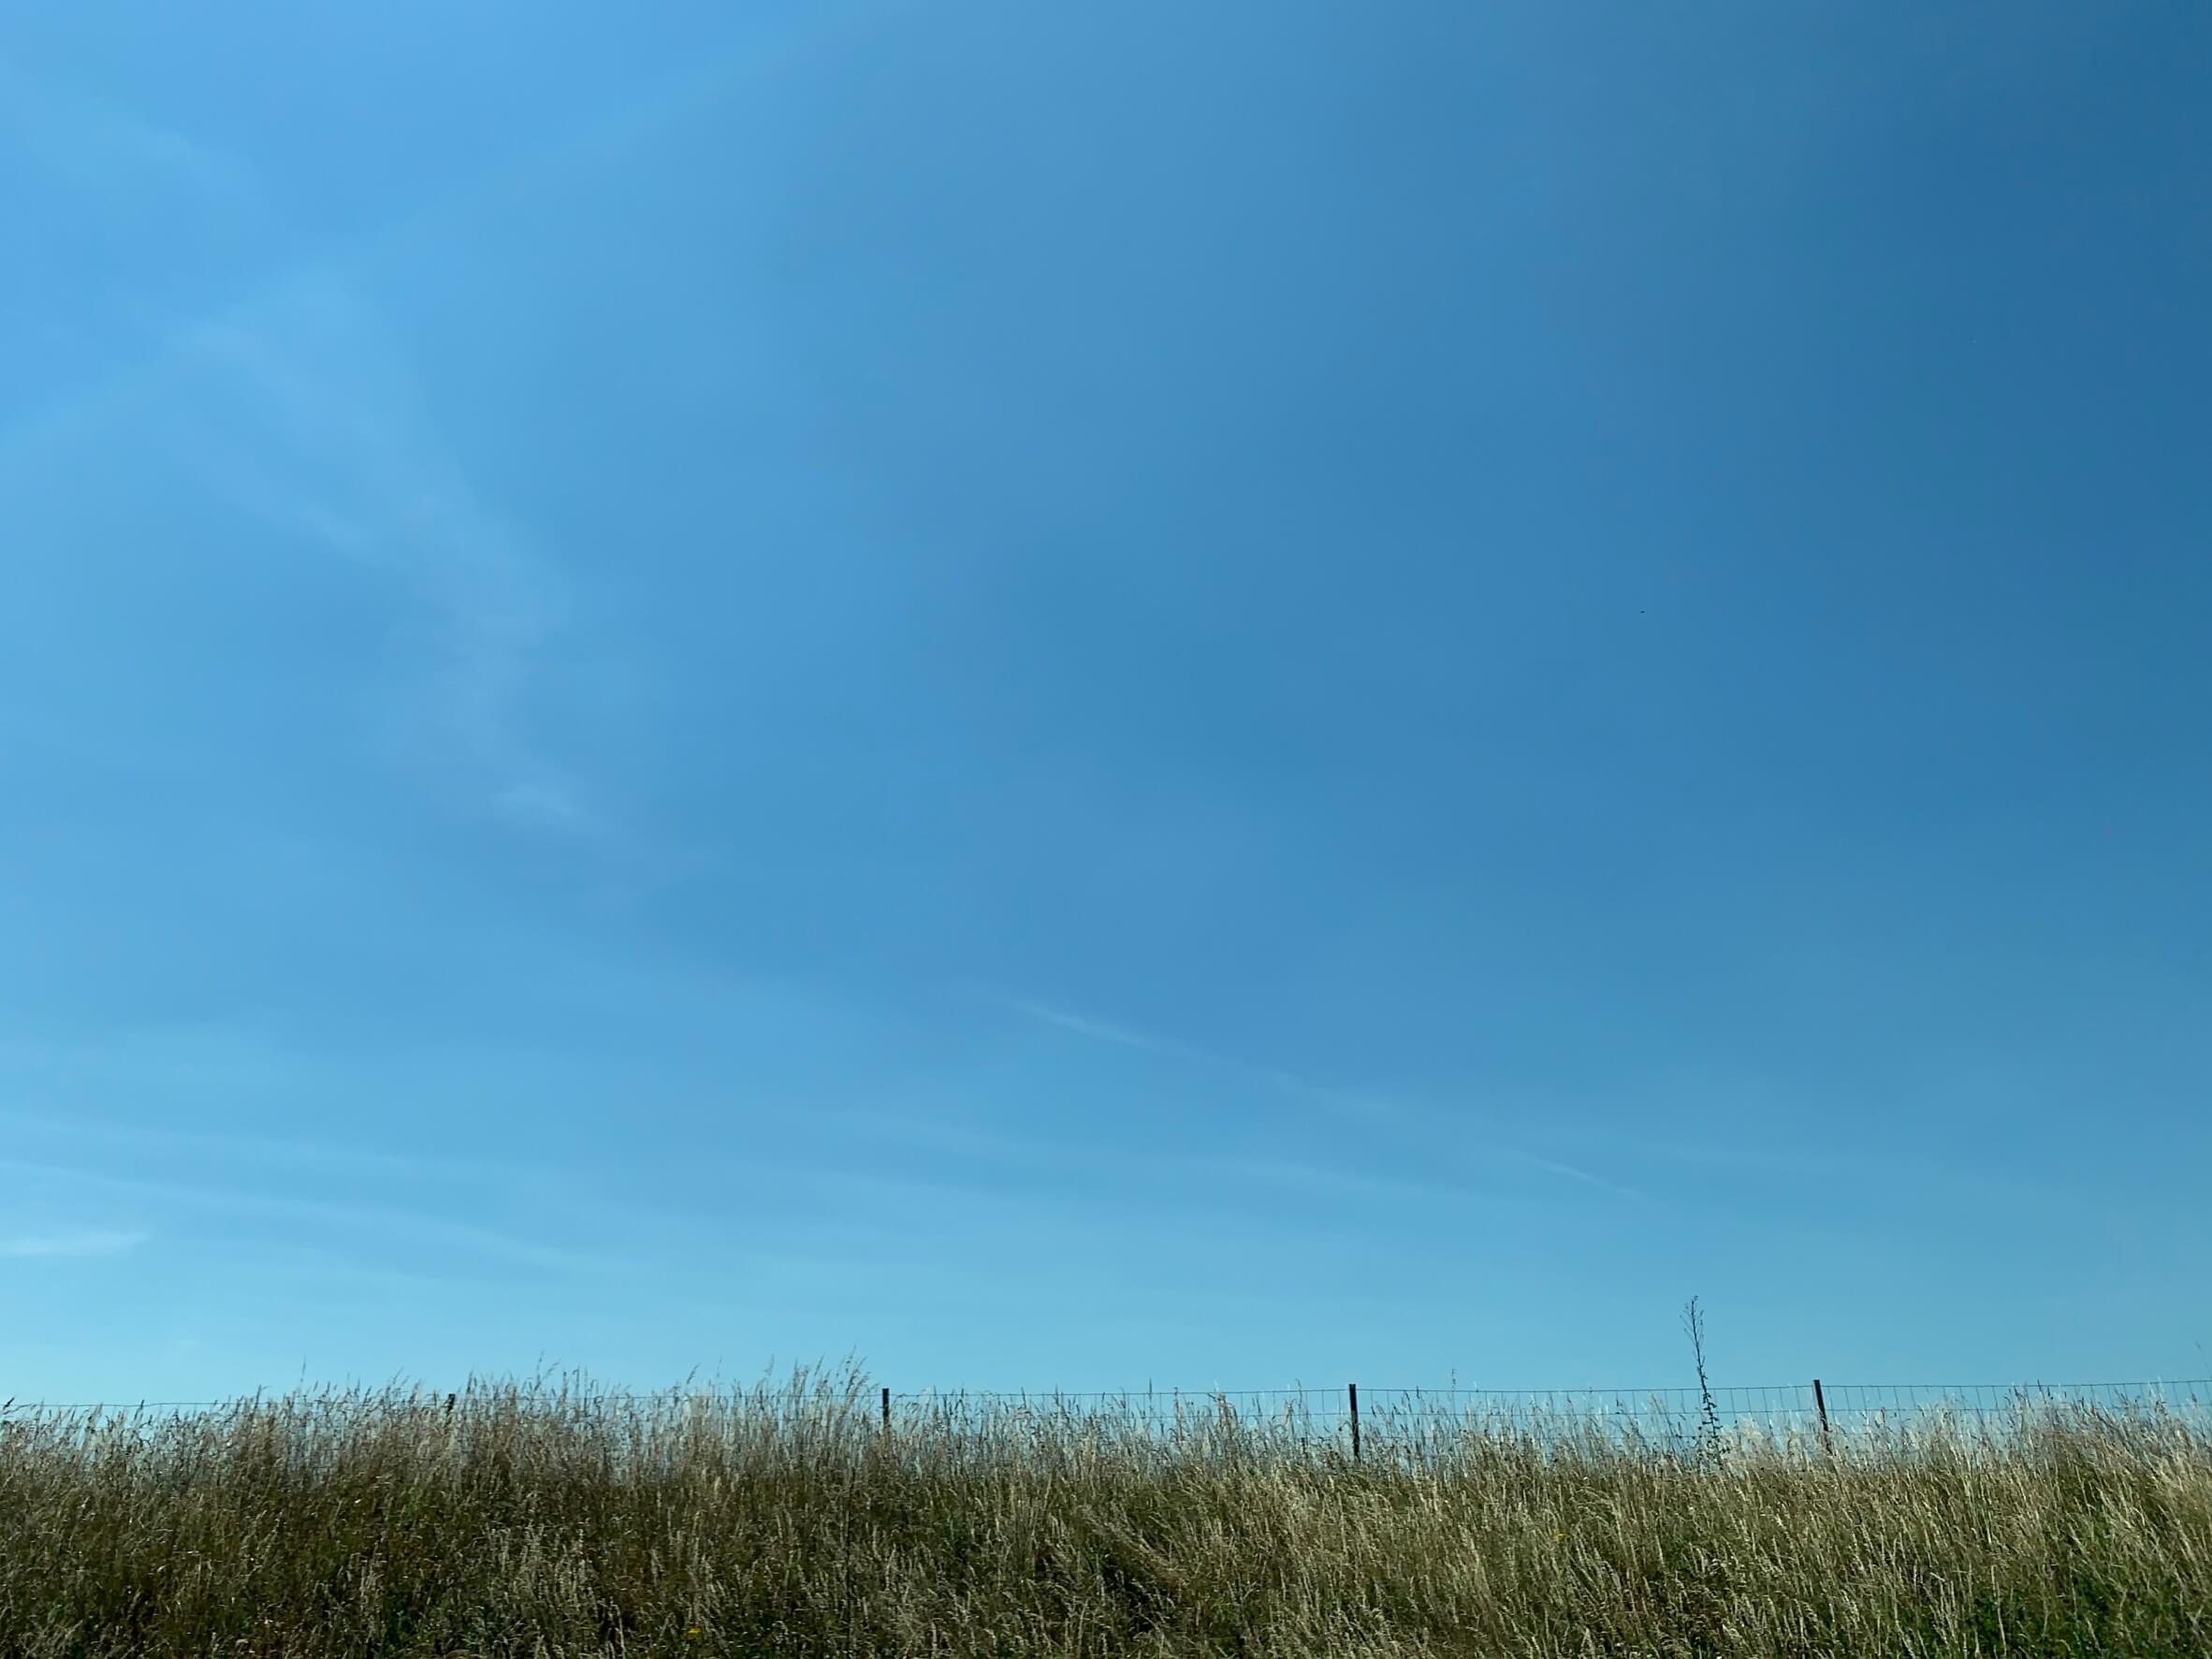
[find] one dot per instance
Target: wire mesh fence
(1411, 1419)
(1417, 1424)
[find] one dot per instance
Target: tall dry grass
(540, 1519)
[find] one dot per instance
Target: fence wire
(1411, 1420)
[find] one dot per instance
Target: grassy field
(549, 1519)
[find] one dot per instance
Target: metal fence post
(1352, 1393)
(1819, 1404)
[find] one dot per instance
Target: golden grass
(555, 1520)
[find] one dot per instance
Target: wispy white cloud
(1764, 1165)
(1735, 1153)
(69, 131)
(324, 433)
(1223, 1175)
(269, 1150)
(1364, 1108)
(101, 1242)
(101, 146)
(1085, 1025)
(299, 405)
(1292, 1175)
(377, 1221)
(1345, 1102)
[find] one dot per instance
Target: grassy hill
(528, 1518)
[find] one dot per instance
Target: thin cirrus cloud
(327, 441)
(282, 1153)
(327, 438)
(1100, 1030)
(1343, 1102)
(66, 134)
(93, 143)
(1735, 1155)
(381, 1223)
(300, 406)
(55, 1246)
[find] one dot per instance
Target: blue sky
(1067, 695)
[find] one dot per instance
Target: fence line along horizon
(1812, 1400)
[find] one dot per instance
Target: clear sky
(1063, 695)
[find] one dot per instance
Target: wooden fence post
(1352, 1392)
(886, 1411)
